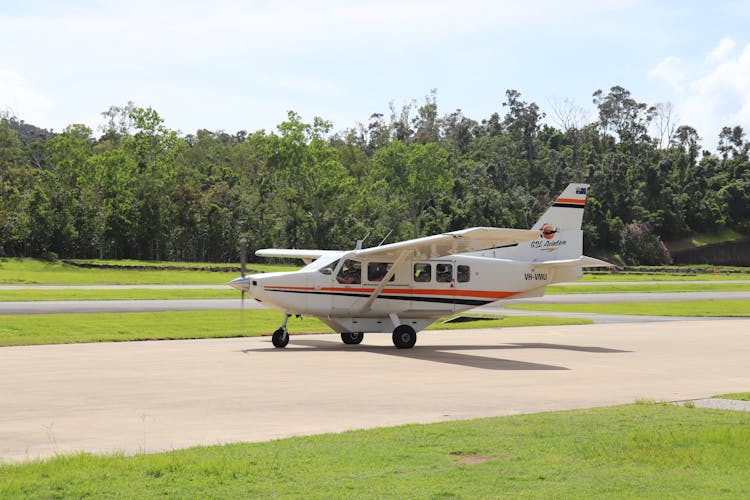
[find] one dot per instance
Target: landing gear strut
(280, 337)
(352, 337)
(404, 337)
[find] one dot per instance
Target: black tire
(280, 338)
(352, 337)
(404, 337)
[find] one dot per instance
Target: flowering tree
(639, 245)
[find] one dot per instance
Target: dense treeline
(144, 191)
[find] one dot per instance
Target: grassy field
(33, 329)
(662, 287)
(595, 453)
(674, 274)
(127, 294)
(702, 239)
(36, 272)
(707, 308)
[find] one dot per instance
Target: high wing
(307, 256)
(440, 245)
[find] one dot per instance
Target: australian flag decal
(581, 191)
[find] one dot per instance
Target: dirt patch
(465, 459)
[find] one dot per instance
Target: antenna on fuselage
(386, 237)
(358, 246)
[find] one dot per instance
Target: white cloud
(716, 94)
(21, 99)
(669, 71)
(722, 51)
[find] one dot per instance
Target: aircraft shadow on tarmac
(440, 354)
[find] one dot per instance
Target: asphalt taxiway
(152, 396)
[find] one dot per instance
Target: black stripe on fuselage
(440, 300)
(567, 205)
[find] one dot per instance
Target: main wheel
(404, 337)
(352, 337)
(280, 338)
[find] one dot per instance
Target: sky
(241, 65)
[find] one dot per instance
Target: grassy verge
(740, 396)
(156, 264)
(131, 294)
(35, 329)
(674, 274)
(651, 288)
(633, 451)
(36, 272)
(707, 308)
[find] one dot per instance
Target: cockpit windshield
(329, 267)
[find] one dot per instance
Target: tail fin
(560, 235)
(566, 212)
(559, 249)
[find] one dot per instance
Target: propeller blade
(243, 259)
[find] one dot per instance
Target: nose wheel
(280, 337)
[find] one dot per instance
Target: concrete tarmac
(155, 396)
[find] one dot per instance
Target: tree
(413, 177)
(619, 112)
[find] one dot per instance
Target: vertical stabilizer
(560, 234)
(567, 210)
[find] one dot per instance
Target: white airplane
(403, 287)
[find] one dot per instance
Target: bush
(639, 245)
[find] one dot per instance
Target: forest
(140, 190)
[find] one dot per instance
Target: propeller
(243, 271)
(243, 256)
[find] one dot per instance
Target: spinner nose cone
(241, 283)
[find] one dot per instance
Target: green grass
(702, 239)
(34, 329)
(707, 308)
(36, 272)
(651, 288)
(128, 294)
(674, 274)
(152, 263)
(633, 451)
(740, 396)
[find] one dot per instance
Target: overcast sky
(234, 65)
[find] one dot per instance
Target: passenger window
(444, 273)
(463, 273)
(350, 273)
(422, 273)
(376, 271)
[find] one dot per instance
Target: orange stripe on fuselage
(304, 288)
(485, 294)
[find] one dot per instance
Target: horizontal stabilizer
(583, 261)
(592, 262)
